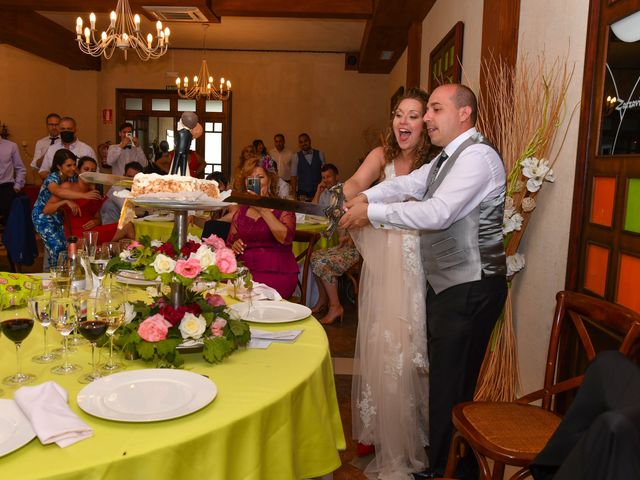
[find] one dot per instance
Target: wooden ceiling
(24, 24)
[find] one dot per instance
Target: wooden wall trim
(414, 55)
(500, 27)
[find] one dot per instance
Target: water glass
(39, 307)
(90, 243)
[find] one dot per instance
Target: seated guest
(599, 437)
(112, 206)
(327, 266)
(284, 189)
(85, 213)
(51, 227)
(220, 179)
(262, 237)
(329, 179)
(162, 162)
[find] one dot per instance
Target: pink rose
(217, 327)
(134, 244)
(226, 260)
(188, 268)
(215, 300)
(215, 241)
(154, 328)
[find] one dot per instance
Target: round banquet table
(162, 231)
(275, 417)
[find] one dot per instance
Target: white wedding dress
(390, 383)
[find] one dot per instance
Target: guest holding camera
(262, 237)
(128, 150)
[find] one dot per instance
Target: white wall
(558, 29)
(439, 21)
(398, 76)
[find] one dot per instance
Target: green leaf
(168, 346)
(216, 349)
(146, 350)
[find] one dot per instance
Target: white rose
(129, 313)
(515, 263)
(192, 326)
(163, 264)
(156, 243)
(124, 255)
(205, 256)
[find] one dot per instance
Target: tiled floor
(342, 339)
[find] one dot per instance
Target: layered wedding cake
(146, 183)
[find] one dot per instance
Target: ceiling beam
(348, 9)
(388, 31)
(30, 31)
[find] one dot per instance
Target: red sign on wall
(107, 116)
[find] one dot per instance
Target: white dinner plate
(15, 429)
(147, 395)
(269, 311)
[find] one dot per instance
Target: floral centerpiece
(154, 331)
(522, 119)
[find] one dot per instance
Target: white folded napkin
(286, 336)
(300, 217)
(46, 407)
(261, 291)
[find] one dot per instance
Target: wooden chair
(514, 433)
(351, 285)
(310, 239)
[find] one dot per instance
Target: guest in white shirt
(42, 145)
(282, 156)
(127, 151)
(69, 141)
(112, 206)
(329, 179)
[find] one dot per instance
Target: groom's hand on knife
(356, 215)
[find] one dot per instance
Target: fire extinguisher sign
(107, 116)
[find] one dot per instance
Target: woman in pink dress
(262, 237)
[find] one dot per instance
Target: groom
(460, 214)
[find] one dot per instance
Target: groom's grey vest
(470, 248)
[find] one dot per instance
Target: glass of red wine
(92, 328)
(16, 326)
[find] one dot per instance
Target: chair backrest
(310, 239)
(583, 313)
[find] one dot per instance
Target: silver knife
(333, 212)
(106, 179)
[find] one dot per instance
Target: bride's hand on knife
(355, 216)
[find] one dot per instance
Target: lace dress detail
(390, 383)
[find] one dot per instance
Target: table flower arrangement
(154, 331)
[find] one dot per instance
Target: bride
(390, 382)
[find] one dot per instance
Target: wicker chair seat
(513, 433)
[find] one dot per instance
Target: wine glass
(63, 317)
(113, 248)
(109, 307)
(61, 275)
(79, 296)
(16, 327)
(92, 328)
(98, 265)
(39, 307)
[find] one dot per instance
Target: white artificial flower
(205, 256)
(528, 204)
(193, 238)
(511, 221)
(508, 203)
(163, 264)
(129, 313)
(515, 263)
(156, 243)
(537, 171)
(192, 326)
(124, 255)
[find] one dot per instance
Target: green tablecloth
(275, 417)
(162, 231)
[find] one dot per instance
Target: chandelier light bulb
(87, 34)
(79, 26)
(92, 20)
(113, 18)
(136, 22)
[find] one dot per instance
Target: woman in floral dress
(390, 381)
(51, 227)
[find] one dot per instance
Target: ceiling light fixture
(123, 33)
(203, 84)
